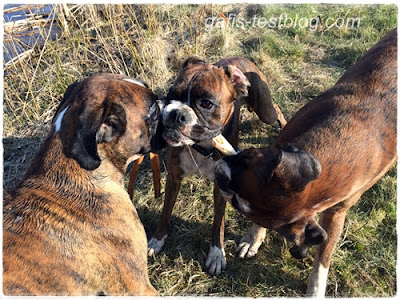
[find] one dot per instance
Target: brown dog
(334, 149)
(205, 101)
(70, 227)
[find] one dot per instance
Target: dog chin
(178, 140)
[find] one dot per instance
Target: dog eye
(207, 104)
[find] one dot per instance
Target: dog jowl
(333, 150)
(70, 227)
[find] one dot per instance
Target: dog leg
(155, 167)
(332, 220)
(133, 176)
(216, 256)
(172, 187)
(251, 241)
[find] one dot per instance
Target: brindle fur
(70, 229)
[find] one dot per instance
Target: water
(18, 41)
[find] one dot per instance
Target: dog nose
(177, 116)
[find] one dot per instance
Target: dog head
(115, 112)
(267, 185)
(201, 101)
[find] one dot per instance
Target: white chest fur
(192, 162)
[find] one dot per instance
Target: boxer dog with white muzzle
(203, 103)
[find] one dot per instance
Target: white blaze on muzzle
(173, 104)
(178, 105)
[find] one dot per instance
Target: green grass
(151, 42)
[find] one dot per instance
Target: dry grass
(150, 42)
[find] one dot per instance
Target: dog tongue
(223, 146)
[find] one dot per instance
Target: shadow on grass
(342, 57)
(248, 127)
(189, 241)
(18, 155)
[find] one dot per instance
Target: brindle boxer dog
(205, 101)
(70, 227)
(332, 151)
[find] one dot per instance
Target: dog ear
(156, 126)
(100, 125)
(259, 99)
(239, 81)
(296, 169)
(193, 60)
(113, 125)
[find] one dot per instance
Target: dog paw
(317, 281)
(154, 246)
(249, 244)
(216, 260)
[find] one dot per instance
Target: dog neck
(110, 169)
(228, 127)
(64, 176)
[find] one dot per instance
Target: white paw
(249, 244)
(154, 246)
(216, 260)
(317, 282)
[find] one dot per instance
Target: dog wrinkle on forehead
(210, 78)
(128, 94)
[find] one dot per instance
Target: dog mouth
(189, 135)
(236, 201)
(176, 138)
